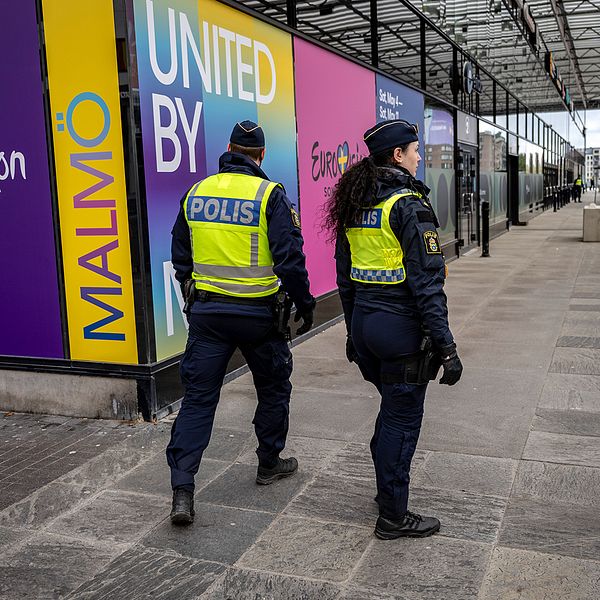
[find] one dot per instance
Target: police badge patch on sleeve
(295, 218)
(432, 243)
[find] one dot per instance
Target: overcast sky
(593, 129)
(563, 124)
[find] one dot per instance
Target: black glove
(308, 317)
(451, 364)
(351, 354)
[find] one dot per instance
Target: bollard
(485, 228)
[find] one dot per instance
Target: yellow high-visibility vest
(578, 181)
(226, 214)
(376, 253)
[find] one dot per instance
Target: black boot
(182, 512)
(283, 468)
(411, 525)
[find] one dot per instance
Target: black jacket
(285, 238)
(422, 292)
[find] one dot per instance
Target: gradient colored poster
(26, 227)
(202, 67)
(396, 101)
(335, 105)
(88, 150)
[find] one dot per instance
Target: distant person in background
(390, 275)
(577, 189)
(591, 184)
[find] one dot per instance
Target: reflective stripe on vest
(376, 253)
(226, 214)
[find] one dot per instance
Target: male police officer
(577, 189)
(238, 238)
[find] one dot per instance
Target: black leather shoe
(284, 468)
(182, 512)
(411, 525)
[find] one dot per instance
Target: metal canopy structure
(493, 32)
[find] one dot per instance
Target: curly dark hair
(354, 192)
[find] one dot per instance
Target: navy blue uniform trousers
(380, 338)
(212, 339)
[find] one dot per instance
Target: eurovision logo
(333, 163)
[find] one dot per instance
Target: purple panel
(29, 303)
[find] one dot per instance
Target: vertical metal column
(291, 13)
(424, 56)
(485, 229)
(374, 35)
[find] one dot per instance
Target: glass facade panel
(492, 170)
(531, 178)
(512, 114)
(522, 121)
(501, 113)
(439, 167)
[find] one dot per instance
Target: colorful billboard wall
(29, 303)
(335, 104)
(88, 150)
(202, 66)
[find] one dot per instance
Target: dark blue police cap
(390, 134)
(248, 134)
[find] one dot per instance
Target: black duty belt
(204, 296)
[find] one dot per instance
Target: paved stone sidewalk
(509, 460)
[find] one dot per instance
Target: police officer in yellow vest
(577, 189)
(238, 238)
(390, 275)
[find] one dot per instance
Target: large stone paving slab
(320, 413)
(559, 484)
(562, 448)
(514, 357)
(487, 413)
(219, 533)
(434, 568)
(333, 498)
(237, 487)
(540, 526)
(572, 392)
(465, 472)
(313, 454)
(43, 505)
(146, 574)
(332, 374)
(522, 575)
(49, 567)
(154, 476)
(462, 514)
(567, 421)
(308, 548)
(116, 517)
(581, 361)
(245, 584)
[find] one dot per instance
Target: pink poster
(335, 105)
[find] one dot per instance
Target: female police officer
(390, 275)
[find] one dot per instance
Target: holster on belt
(189, 295)
(416, 369)
(281, 313)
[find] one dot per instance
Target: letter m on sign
(90, 332)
